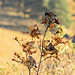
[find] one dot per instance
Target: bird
(32, 61)
(51, 48)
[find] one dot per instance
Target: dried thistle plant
(47, 48)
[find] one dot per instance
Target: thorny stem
(42, 49)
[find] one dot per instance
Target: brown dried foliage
(48, 49)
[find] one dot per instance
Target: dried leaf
(59, 40)
(31, 28)
(15, 53)
(56, 21)
(52, 25)
(34, 32)
(44, 21)
(24, 46)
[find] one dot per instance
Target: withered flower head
(16, 38)
(59, 40)
(35, 31)
(49, 14)
(50, 19)
(44, 21)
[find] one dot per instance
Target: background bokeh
(16, 16)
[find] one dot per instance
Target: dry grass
(8, 45)
(51, 67)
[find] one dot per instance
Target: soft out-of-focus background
(17, 15)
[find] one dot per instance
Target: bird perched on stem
(51, 48)
(32, 61)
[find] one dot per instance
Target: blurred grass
(50, 67)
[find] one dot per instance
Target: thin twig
(29, 71)
(40, 45)
(42, 49)
(34, 68)
(29, 55)
(19, 43)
